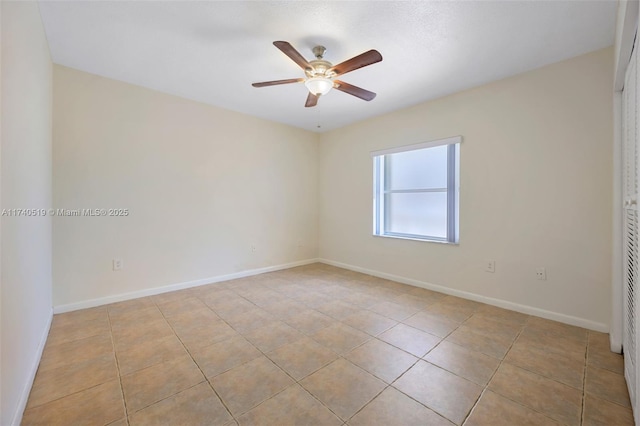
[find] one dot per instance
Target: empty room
(319, 213)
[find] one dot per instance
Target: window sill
(423, 240)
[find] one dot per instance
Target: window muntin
(416, 191)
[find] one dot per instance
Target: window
(416, 191)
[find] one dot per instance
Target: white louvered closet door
(630, 226)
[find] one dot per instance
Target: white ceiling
(212, 51)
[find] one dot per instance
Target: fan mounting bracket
(318, 51)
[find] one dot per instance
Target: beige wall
(202, 186)
(536, 173)
(25, 176)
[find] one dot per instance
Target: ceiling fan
(320, 74)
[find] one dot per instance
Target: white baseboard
(529, 310)
(173, 287)
(26, 390)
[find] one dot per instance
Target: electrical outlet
(117, 264)
(541, 274)
(253, 248)
(490, 265)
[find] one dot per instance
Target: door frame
(626, 27)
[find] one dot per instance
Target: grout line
(486, 387)
(584, 378)
(115, 355)
(295, 382)
(249, 285)
(206, 379)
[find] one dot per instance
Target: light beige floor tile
(461, 302)
(75, 351)
(273, 336)
(205, 290)
(495, 346)
(190, 317)
(607, 385)
(450, 311)
(494, 327)
(200, 334)
(293, 406)
(66, 330)
(381, 359)
(410, 339)
(101, 404)
(131, 317)
(313, 299)
(130, 305)
(361, 299)
(181, 306)
(393, 285)
(599, 353)
(250, 320)
(227, 306)
(222, 356)
(338, 310)
(198, 405)
(369, 322)
(431, 324)
(425, 383)
(264, 298)
(310, 321)
(146, 354)
(337, 291)
(394, 311)
(553, 399)
(553, 343)
(425, 292)
(145, 387)
(275, 310)
(216, 292)
(548, 327)
(598, 412)
(411, 301)
(138, 333)
(495, 410)
(562, 368)
(80, 317)
(284, 309)
(395, 408)
(66, 380)
(245, 386)
(302, 357)
(502, 315)
(464, 362)
(171, 296)
(343, 387)
(340, 338)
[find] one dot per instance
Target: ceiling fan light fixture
(320, 74)
(319, 85)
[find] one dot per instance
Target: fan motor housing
(319, 68)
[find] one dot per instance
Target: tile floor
(320, 345)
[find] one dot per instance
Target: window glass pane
(422, 213)
(420, 169)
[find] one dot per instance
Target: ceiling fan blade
(292, 53)
(362, 60)
(312, 100)
(354, 90)
(276, 82)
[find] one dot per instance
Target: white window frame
(380, 200)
